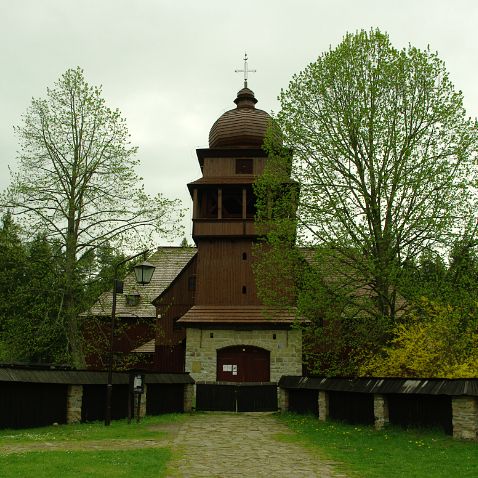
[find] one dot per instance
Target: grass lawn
(145, 463)
(149, 427)
(47, 452)
(393, 452)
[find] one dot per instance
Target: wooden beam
(195, 203)
(219, 203)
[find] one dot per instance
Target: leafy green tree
(31, 327)
(13, 257)
(384, 157)
(76, 184)
(385, 160)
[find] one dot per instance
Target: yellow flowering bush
(433, 340)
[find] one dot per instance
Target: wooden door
(243, 363)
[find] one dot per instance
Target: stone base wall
(285, 350)
(74, 400)
(465, 417)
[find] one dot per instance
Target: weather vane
(245, 70)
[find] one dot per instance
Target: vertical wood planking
(224, 272)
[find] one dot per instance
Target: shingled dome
(242, 127)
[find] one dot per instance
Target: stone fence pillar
(380, 410)
(283, 399)
(323, 405)
(189, 397)
(143, 403)
(74, 399)
(465, 417)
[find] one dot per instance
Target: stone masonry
(142, 404)
(465, 417)
(283, 399)
(380, 410)
(201, 348)
(323, 405)
(73, 403)
(188, 397)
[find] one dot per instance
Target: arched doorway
(243, 363)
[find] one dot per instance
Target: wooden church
(209, 319)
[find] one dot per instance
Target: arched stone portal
(243, 363)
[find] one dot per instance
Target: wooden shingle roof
(238, 314)
(244, 126)
(169, 262)
(426, 386)
(83, 377)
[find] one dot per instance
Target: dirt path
(82, 445)
(241, 445)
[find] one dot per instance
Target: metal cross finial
(245, 70)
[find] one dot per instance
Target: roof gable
(169, 262)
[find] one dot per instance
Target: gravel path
(242, 445)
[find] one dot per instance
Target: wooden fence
(32, 397)
(450, 405)
(36, 397)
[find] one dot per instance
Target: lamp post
(143, 273)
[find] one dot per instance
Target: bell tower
(224, 204)
(230, 335)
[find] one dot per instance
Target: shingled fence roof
(425, 386)
(83, 377)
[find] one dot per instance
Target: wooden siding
(223, 228)
(129, 334)
(222, 272)
(170, 358)
(174, 302)
(224, 167)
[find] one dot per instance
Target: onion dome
(242, 127)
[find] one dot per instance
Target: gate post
(323, 405)
(283, 399)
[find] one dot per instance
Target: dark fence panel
(256, 398)
(421, 411)
(304, 401)
(24, 405)
(242, 397)
(354, 408)
(216, 397)
(164, 398)
(94, 402)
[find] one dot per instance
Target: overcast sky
(169, 65)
